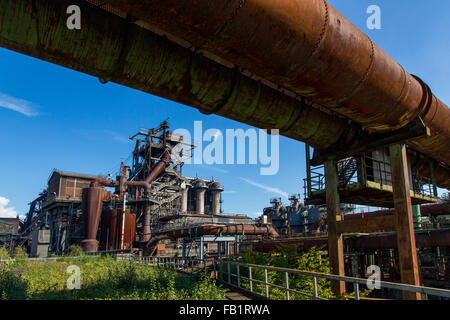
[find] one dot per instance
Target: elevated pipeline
(113, 49)
(432, 238)
(116, 49)
(308, 47)
(208, 229)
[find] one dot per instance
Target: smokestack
(184, 196)
(216, 190)
(200, 188)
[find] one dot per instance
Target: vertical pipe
(215, 202)
(146, 223)
(404, 220)
(416, 216)
(184, 200)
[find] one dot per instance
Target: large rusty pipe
(212, 229)
(433, 238)
(156, 171)
(434, 209)
(104, 182)
(113, 49)
(208, 229)
(308, 47)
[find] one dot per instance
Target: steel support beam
(335, 241)
(404, 219)
(370, 224)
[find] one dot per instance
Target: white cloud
(22, 106)
(265, 187)
(6, 212)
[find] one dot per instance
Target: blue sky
(70, 121)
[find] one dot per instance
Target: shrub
(75, 251)
(20, 253)
(4, 254)
(102, 278)
(286, 256)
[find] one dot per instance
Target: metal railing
(221, 270)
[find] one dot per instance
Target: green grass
(102, 278)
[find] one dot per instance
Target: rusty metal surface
(157, 170)
(111, 227)
(430, 239)
(114, 49)
(207, 229)
(110, 48)
(92, 202)
(435, 209)
(335, 239)
(108, 230)
(367, 225)
(433, 238)
(404, 221)
(309, 48)
(213, 229)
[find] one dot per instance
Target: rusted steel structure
(147, 203)
(56, 212)
(425, 239)
(268, 64)
(309, 48)
(367, 179)
(210, 229)
(93, 198)
(131, 52)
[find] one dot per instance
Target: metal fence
(221, 271)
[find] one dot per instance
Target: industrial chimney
(215, 189)
(200, 188)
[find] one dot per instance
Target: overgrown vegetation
(101, 278)
(286, 256)
(4, 254)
